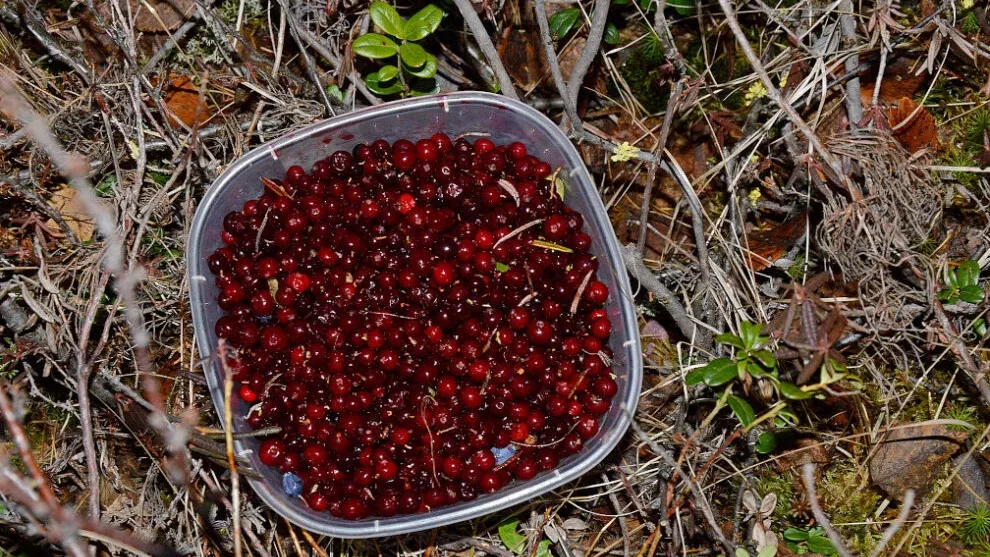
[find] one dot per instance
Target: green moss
(783, 486)
(641, 73)
(975, 527)
(850, 502)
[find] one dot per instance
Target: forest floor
(801, 187)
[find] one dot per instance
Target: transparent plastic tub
(453, 114)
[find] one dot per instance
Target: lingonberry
(396, 320)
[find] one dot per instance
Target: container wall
(452, 114)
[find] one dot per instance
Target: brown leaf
(64, 201)
(157, 16)
(523, 56)
(912, 126)
(182, 99)
(766, 246)
(911, 457)
(900, 79)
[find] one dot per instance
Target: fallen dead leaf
(910, 457)
(157, 16)
(64, 201)
(182, 98)
(766, 246)
(912, 125)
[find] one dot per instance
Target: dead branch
(487, 48)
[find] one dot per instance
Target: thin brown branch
(700, 499)
(487, 48)
(599, 17)
(808, 478)
(774, 93)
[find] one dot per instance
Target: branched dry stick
(644, 210)
(774, 93)
(854, 101)
(634, 264)
(896, 525)
(699, 496)
(662, 29)
(487, 48)
(808, 478)
(228, 421)
(61, 525)
(599, 18)
(962, 352)
(570, 108)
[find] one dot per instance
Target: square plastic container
(453, 114)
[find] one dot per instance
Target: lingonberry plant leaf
(742, 409)
(793, 392)
(387, 19)
(423, 23)
(413, 55)
(375, 46)
(563, 22)
(511, 538)
(428, 70)
(375, 83)
(720, 371)
(387, 73)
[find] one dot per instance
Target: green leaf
(971, 293)
(951, 278)
(387, 73)
(423, 23)
(682, 7)
(543, 549)
(501, 267)
(980, 326)
(387, 19)
(818, 544)
(968, 273)
(766, 443)
(563, 22)
(755, 370)
(750, 333)
(946, 294)
(742, 409)
(767, 551)
(731, 340)
(374, 83)
(694, 377)
(334, 92)
(559, 186)
(428, 70)
(720, 371)
(413, 55)
(375, 46)
(611, 33)
(792, 391)
(741, 552)
(766, 358)
(511, 539)
(795, 535)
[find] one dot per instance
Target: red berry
(272, 452)
(406, 203)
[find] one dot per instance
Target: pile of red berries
(422, 321)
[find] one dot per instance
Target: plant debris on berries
(422, 320)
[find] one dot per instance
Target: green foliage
(408, 69)
(812, 540)
(563, 22)
(977, 130)
(962, 283)
(782, 485)
(975, 527)
(970, 23)
(516, 542)
(847, 498)
(962, 413)
(751, 362)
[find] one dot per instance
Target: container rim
(575, 466)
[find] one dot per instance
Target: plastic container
(452, 114)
